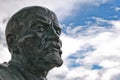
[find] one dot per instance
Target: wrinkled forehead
(44, 19)
(41, 14)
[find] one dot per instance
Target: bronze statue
(33, 40)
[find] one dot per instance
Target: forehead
(41, 19)
(33, 14)
(49, 20)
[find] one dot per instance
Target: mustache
(52, 43)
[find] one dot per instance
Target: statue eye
(58, 30)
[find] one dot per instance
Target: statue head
(33, 38)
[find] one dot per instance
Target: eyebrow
(40, 21)
(44, 20)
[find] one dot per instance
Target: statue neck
(29, 69)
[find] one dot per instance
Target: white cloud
(55, 74)
(117, 9)
(110, 74)
(106, 43)
(107, 50)
(82, 73)
(70, 45)
(4, 54)
(109, 63)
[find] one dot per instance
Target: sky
(90, 36)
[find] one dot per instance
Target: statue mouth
(53, 46)
(56, 47)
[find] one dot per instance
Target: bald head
(23, 19)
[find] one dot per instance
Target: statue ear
(12, 43)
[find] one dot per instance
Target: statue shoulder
(4, 65)
(6, 72)
(3, 70)
(9, 73)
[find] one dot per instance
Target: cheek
(32, 47)
(32, 43)
(29, 46)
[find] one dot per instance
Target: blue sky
(90, 37)
(106, 11)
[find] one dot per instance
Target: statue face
(41, 45)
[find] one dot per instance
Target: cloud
(117, 9)
(106, 53)
(111, 74)
(4, 54)
(70, 45)
(55, 74)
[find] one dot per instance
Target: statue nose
(53, 32)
